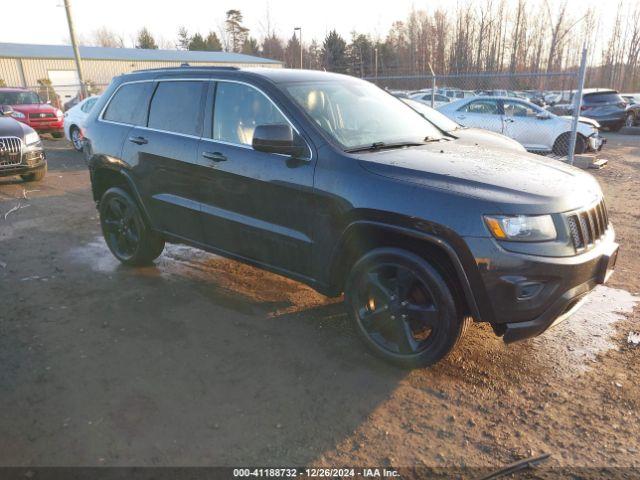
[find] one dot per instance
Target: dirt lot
(203, 361)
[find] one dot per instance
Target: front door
(256, 205)
(164, 157)
(481, 113)
(521, 123)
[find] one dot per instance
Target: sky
(44, 21)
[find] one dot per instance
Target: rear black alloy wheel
(127, 235)
(403, 308)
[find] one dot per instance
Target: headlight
(31, 138)
(59, 113)
(16, 114)
(521, 228)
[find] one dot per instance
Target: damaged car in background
(537, 129)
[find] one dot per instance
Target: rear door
(164, 156)
(481, 113)
(255, 205)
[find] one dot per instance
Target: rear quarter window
(129, 104)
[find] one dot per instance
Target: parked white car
(535, 128)
(474, 136)
(74, 120)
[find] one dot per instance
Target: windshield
(434, 116)
(356, 113)
(19, 98)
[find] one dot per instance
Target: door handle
(214, 156)
(461, 117)
(138, 140)
(509, 120)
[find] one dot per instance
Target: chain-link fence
(513, 104)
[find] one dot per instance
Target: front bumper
(527, 294)
(568, 303)
(24, 167)
(595, 142)
(44, 126)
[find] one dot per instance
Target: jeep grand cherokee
(329, 180)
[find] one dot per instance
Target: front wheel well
(361, 240)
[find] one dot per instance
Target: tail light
(622, 105)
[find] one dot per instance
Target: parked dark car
(331, 181)
(21, 150)
(605, 106)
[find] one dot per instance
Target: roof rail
(185, 65)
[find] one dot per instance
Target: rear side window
(603, 97)
(129, 104)
(177, 107)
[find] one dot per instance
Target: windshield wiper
(375, 146)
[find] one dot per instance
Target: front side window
(356, 113)
(238, 110)
(176, 107)
(129, 104)
(487, 107)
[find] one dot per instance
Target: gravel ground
(199, 360)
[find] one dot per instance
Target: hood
(13, 128)
(478, 136)
(515, 182)
(35, 108)
(585, 120)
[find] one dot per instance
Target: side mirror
(277, 138)
(6, 110)
(543, 116)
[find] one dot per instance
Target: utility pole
(375, 51)
(577, 106)
(74, 45)
(299, 30)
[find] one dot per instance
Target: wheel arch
(105, 176)
(363, 235)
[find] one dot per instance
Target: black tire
(127, 234)
(561, 145)
(403, 308)
(57, 134)
(76, 139)
(35, 176)
(630, 120)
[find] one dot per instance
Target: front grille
(41, 115)
(588, 226)
(10, 151)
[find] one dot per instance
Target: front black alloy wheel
(127, 234)
(403, 308)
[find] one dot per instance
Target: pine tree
(146, 40)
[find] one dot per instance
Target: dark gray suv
(332, 181)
